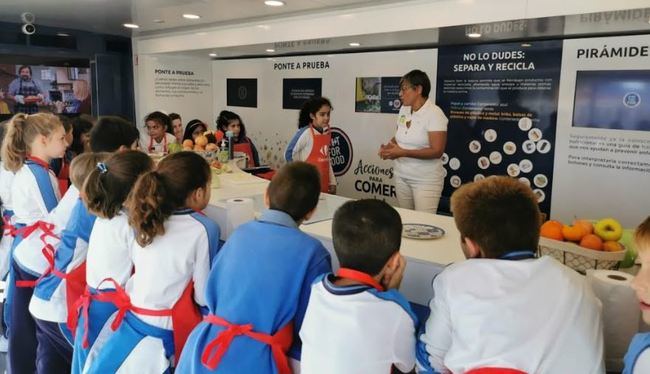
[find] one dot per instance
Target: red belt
(47, 251)
(279, 342)
(119, 298)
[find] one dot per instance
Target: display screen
(37, 88)
(612, 99)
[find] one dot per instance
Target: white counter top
(425, 258)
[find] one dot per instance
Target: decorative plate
(421, 231)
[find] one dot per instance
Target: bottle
(231, 149)
(223, 151)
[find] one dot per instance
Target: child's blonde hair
(642, 236)
(22, 129)
(83, 164)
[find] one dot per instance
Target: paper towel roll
(620, 313)
(240, 210)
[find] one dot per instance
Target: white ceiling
(107, 16)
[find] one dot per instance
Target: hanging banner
(501, 100)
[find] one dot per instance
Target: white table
(425, 258)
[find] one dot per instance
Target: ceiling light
(474, 35)
(62, 34)
(159, 21)
(212, 55)
(191, 16)
(274, 3)
(526, 45)
(354, 44)
(270, 50)
(131, 26)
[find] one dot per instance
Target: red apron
(8, 228)
(64, 176)
(185, 313)
(48, 250)
(248, 150)
(320, 156)
(280, 342)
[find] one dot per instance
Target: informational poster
(501, 100)
(241, 92)
(602, 163)
(377, 95)
(175, 84)
(295, 91)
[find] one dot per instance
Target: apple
(631, 252)
(608, 229)
(174, 147)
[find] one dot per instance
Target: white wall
(271, 127)
(190, 95)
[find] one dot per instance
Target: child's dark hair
(311, 106)
(83, 165)
(66, 122)
(500, 214)
(80, 126)
(418, 78)
(159, 192)
(173, 116)
(225, 117)
(161, 118)
(108, 185)
(295, 189)
(191, 126)
(21, 132)
(365, 234)
(110, 133)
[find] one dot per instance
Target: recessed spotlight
(526, 45)
(159, 21)
(354, 44)
(62, 34)
(270, 50)
(274, 3)
(191, 16)
(474, 35)
(131, 26)
(212, 55)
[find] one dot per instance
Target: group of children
(124, 273)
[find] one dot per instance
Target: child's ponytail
(158, 193)
(108, 184)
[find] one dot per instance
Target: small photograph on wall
(241, 92)
(612, 99)
(377, 95)
(295, 91)
(368, 95)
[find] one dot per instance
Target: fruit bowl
(579, 258)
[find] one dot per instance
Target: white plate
(421, 231)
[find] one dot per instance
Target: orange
(587, 226)
(612, 246)
(552, 230)
(573, 233)
(592, 241)
(201, 140)
(188, 143)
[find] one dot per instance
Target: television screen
(612, 99)
(38, 88)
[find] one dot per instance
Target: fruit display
(219, 168)
(602, 235)
(203, 143)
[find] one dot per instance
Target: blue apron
(27, 90)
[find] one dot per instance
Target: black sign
(340, 152)
(241, 92)
(295, 91)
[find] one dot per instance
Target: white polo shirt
(534, 315)
(356, 329)
(428, 118)
(109, 252)
(6, 178)
(146, 142)
(26, 198)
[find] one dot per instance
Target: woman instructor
(418, 145)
